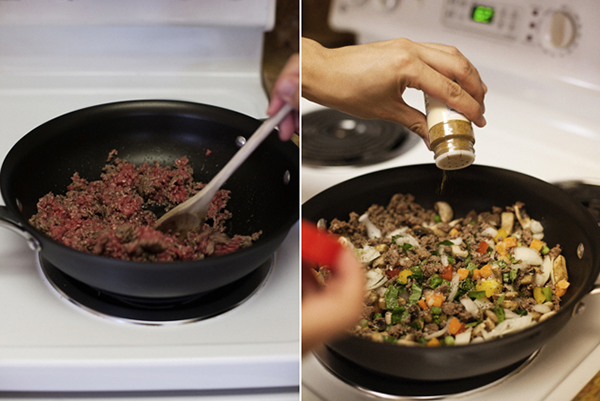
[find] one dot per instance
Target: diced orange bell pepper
(501, 248)
(536, 244)
(561, 288)
(476, 274)
(486, 271)
(434, 342)
(435, 299)
(463, 273)
(511, 242)
(422, 304)
(454, 232)
(455, 326)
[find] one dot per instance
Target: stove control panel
(554, 39)
(555, 30)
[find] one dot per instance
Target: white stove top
(49, 346)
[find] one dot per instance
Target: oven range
(537, 61)
(59, 338)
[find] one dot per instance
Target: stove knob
(558, 30)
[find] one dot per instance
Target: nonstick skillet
(265, 190)
(566, 222)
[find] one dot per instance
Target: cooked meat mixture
(437, 280)
(113, 216)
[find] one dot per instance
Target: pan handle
(8, 221)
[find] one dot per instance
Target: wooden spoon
(192, 213)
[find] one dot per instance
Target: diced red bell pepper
(482, 247)
(318, 246)
(447, 272)
(392, 273)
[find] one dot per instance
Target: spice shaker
(450, 136)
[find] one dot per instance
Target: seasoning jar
(450, 136)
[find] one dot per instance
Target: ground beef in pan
(437, 279)
(113, 216)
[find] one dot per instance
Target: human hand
(328, 309)
(368, 80)
(287, 90)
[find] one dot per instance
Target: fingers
(287, 87)
(448, 76)
(412, 119)
(336, 306)
(442, 88)
(289, 126)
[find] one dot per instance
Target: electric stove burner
(588, 193)
(157, 311)
(391, 387)
(333, 138)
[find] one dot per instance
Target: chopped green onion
(416, 294)
(437, 218)
(476, 294)
(417, 274)
(547, 292)
(499, 311)
(435, 281)
(391, 297)
(390, 339)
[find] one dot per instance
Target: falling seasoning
(450, 136)
(440, 189)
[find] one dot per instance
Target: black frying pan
(143, 131)
(565, 222)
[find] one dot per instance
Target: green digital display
(482, 14)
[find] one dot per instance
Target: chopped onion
(484, 303)
(527, 256)
(545, 269)
(453, 287)
(457, 241)
(536, 227)
(457, 251)
(492, 232)
(368, 254)
(372, 231)
(508, 314)
(463, 338)
(402, 237)
(437, 333)
(470, 306)
(541, 308)
(444, 260)
(375, 278)
(508, 326)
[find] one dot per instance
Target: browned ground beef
(110, 216)
(424, 268)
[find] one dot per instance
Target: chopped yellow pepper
(403, 276)
(500, 235)
(491, 287)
